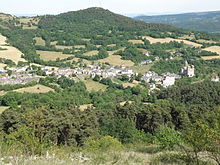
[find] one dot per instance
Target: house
(3, 71)
(157, 79)
(168, 81)
(188, 70)
(128, 72)
(156, 58)
(171, 58)
(147, 76)
(215, 79)
(177, 54)
(21, 69)
(146, 54)
(171, 75)
(191, 46)
(145, 62)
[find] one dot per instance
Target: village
(23, 75)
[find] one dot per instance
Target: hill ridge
(200, 21)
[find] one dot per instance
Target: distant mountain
(202, 21)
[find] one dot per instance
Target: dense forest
(38, 121)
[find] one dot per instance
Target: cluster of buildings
(175, 54)
(93, 70)
(21, 75)
(18, 75)
(167, 79)
(17, 78)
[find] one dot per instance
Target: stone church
(188, 70)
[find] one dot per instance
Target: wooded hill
(90, 27)
(96, 19)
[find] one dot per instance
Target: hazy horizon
(124, 7)
(125, 14)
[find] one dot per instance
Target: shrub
(168, 138)
(104, 143)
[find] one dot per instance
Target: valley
(95, 87)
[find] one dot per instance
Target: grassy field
(63, 47)
(190, 37)
(142, 69)
(2, 109)
(29, 27)
(52, 56)
(94, 86)
(39, 41)
(29, 20)
(117, 81)
(215, 49)
(53, 43)
(79, 46)
(139, 154)
(35, 89)
(128, 84)
(25, 20)
(2, 65)
(143, 50)
(5, 17)
(98, 46)
(116, 59)
(65, 157)
(167, 40)
(91, 53)
(11, 53)
(210, 57)
(111, 45)
(2, 40)
(125, 85)
(206, 41)
(86, 39)
(136, 41)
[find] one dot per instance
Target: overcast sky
(118, 6)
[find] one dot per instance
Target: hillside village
(23, 75)
(28, 73)
(143, 50)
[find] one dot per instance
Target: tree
(97, 78)
(168, 138)
(202, 138)
(9, 72)
(124, 78)
(122, 129)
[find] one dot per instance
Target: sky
(129, 7)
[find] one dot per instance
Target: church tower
(188, 70)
